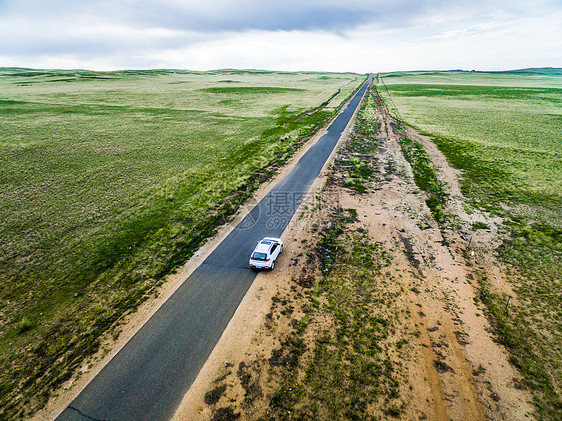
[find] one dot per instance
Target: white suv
(265, 253)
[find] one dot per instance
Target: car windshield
(259, 256)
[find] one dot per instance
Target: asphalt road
(148, 378)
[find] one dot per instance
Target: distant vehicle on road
(265, 253)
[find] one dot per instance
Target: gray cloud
(241, 15)
(247, 15)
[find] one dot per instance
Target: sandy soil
(455, 369)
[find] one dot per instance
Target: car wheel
(281, 250)
(272, 265)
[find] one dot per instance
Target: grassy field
(111, 179)
(504, 131)
(506, 125)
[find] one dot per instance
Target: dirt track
(453, 368)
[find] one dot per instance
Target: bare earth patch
(443, 361)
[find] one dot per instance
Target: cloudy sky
(328, 35)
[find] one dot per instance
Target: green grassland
(507, 123)
(504, 131)
(111, 179)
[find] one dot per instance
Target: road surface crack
(85, 415)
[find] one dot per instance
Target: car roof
(261, 247)
(265, 244)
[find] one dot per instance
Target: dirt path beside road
(449, 366)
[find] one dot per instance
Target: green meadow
(510, 124)
(109, 180)
(504, 131)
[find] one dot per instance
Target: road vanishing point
(149, 376)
